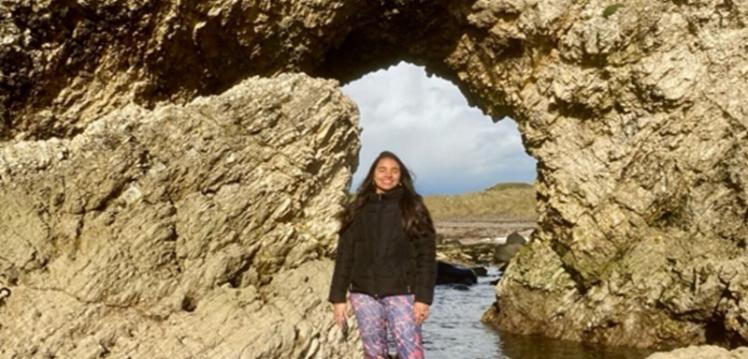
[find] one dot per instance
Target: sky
(448, 146)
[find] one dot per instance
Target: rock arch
(635, 112)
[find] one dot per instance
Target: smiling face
(386, 175)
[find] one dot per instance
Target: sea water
(454, 331)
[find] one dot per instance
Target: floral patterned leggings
(374, 316)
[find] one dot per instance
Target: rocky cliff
(190, 231)
(634, 110)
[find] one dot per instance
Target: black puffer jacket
(376, 257)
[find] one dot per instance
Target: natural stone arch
(597, 90)
(634, 112)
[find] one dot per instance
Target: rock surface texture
(183, 231)
(635, 111)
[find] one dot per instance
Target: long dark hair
(416, 218)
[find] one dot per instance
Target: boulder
(503, 253)
(447, 273)
(515, 238)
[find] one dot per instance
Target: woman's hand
(422, 312)
(339, 314)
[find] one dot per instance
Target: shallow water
(454, 331)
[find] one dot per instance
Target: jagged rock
(67, 63)
(702, 352)
(149, 234)
(635, 112)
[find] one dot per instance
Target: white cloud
(451, 147)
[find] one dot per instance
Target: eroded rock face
(635, 112)
(642, 166)
(67, 63)
(151, 234)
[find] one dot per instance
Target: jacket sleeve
(341, 277)
(425, 247)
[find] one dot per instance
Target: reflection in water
(535, 347)
(454, 331)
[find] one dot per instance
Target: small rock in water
(480, 271)
(452, 274)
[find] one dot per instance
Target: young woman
(386, 258)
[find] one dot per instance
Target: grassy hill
(504, 201)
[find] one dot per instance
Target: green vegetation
(611, 9)
(504, 201)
